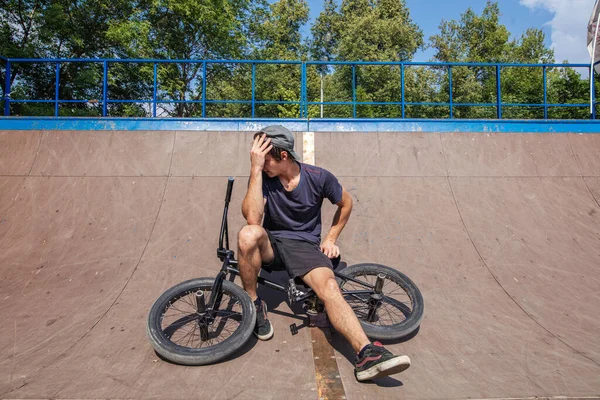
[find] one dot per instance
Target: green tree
(483, 39)
(56, 29)
(365, 30)
(566, 86)
(188, 30)
(278, 37)
(149, 29)
(324, 41)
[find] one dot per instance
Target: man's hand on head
(260, 148)
(330, 249)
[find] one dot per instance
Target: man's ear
(284, 155)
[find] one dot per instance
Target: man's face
(272, 166)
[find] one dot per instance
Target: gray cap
(280, 137)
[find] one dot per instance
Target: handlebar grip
(229, 189)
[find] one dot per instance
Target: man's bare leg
(322, 281)
(254, 248)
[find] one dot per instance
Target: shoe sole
(386, 368)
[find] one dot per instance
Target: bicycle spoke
(390, 311)
(187, 333)
(186, 300)
(178, 324)
(180, 311)
(180, 320)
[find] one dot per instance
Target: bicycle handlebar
(229, 189)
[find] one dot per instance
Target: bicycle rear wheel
(179, 332)
(396, 313)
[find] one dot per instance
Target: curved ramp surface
(500, 231)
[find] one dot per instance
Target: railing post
(545, 94)
(304, 93)
(204, 89)
(450, 89)
(56, 89)
(592, 73)
(498, 93)
(154, 92)
(402, 87)
(105, 89)
(253, 87)
(7, 90)
(300, 105)
(353, 90)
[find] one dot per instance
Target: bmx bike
(206, 320)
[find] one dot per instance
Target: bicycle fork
(375, 299)
(206, 314)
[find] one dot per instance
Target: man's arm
(253, 206)
(340, 219)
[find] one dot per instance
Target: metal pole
(105, 89)
(253, 86)
(204, 89)
(304, 91)
(402, 87)
(450, 84)
(592, 106)
(498, 93)
(321, 95)
(301, 105)
(56, 91)
(154, 93)
(7, 90)
(354, 91)
(593, 94)
(545, 94)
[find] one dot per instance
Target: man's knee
(330, 290)
(250, 236)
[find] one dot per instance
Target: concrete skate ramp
(501, 232)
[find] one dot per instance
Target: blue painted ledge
(301, 125)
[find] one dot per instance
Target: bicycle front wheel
(180, 332)
(395, 313)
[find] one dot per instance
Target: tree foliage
(346, 30)
(482, 38)
(364, 30)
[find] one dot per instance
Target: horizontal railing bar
(292, 62)
(148, 60)
(310, 103)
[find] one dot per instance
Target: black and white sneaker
(263, 328)
(377, 362)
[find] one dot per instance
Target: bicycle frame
(230, 264)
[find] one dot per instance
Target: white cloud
(568, 27)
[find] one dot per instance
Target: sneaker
(263, 328)
(377, 362)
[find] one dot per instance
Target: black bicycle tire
(203, 356)
(411, 323)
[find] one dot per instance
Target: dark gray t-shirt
(297, 214)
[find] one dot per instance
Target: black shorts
(297, 257)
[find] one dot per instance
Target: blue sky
(563, 21)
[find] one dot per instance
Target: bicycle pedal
(294, 329)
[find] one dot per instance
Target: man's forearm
(253, 205)
(341, 217)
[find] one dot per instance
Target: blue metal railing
(303, 103)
